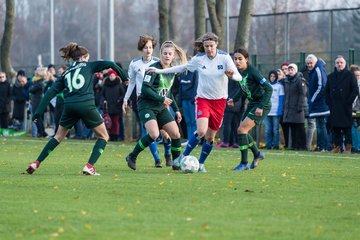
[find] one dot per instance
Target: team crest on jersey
(199, 113)
(147, 78)
(220, 67)
(203, 67)
(147, 115)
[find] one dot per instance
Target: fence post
(351, 56)
(254, 60)
(302, 60)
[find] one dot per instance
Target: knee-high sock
(175, 148)
(193, 142)
(205, 151)
(144, 142)
(167, 146)
(49, 147)
(244, 145)
(252, 145)
(154, 150)
(98, 149)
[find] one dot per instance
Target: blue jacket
(316, 98)
(188, 85)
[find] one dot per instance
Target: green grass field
(291, 195)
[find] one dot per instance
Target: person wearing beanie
(294, 107)
(112, 95)
(272, 121)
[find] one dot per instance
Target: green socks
(49, 147)
(144, 142)
(97, 150)
(244, 145)
(175, 148)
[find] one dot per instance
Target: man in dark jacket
(5, 99)
(318, 108)
(341, 91)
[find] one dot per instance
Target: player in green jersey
(154, 102)
(79, 103)
(258, 91)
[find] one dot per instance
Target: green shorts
(250, 112)
(162, 116)
(86, 111)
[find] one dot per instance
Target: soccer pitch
(291, 195)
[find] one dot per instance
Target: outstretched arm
(175, 69)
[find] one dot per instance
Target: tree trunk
(244, 23)
(6, 41)
(199, 14)
(216, 15)
(163, 21)
(173, 33)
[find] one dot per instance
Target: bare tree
(163, 21)
(216, 9)
(244, 22)
(173, 32)
(6, 40)
(199, 15)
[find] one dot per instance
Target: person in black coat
(112, 96)
(36, 93)
(5, 99)
(341, 90)
(20, 95)
(295, 88)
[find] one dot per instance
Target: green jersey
(255, 87)
(76, 82)
(155, 88)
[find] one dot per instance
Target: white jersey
(213, 82)
(136, 73)
(277, 99)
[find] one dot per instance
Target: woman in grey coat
(295, 88)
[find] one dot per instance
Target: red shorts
(213, 109)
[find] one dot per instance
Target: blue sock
(192, 143)
(205, 151)
(154, 151)
(167, 147)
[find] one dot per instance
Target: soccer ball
(189, 164)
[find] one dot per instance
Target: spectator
(272, 121)
(318, 108)
(356, 114)
(5, 99)
(187, 94)
(36, 93)
(284, 126)
(20, 95)
(341, 91)
(112, 95)
(294, 107)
